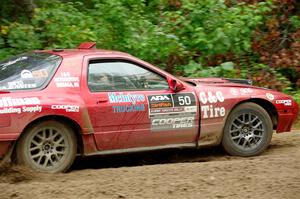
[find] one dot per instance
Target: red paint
(102, 129)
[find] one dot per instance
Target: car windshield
(27, 71)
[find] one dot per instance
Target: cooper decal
(284, 102)
(175, 122)
(67, 108)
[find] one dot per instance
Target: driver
(102, 81)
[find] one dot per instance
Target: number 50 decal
(184, 99)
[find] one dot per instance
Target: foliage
(253, 39)
(226, 69)
(296, 96)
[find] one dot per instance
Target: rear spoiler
(240, 81)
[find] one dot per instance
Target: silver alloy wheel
(48, 147)
(246, 131)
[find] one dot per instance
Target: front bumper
(286, 118)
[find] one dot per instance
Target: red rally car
(56, 104)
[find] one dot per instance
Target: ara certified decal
(19, 105)
(210, 107)
(284, 102)
(67, 108)
(160, 101)
(66, 80)
(172, 103)
(172, 111)
(270, 96)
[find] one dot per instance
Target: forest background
(251, 39)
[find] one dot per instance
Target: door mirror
(175, 85)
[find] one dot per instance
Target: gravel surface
(205, 173)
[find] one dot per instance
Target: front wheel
(49, 146)
(248, 130)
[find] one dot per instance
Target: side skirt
(141, 149)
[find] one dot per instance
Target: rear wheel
(248, 130)
(49, 146)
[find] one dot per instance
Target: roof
(83, 52)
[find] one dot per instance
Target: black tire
(248, 130)
(48, 146)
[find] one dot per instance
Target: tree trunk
(26, 6)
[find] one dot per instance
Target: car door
(132, 106)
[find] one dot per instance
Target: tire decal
(172, 111)
(210, 104)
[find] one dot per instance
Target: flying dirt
(205, 173)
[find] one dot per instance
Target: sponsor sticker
(245, 91)
(241, 91)
(9, 102)
(27, 105)
(66, 80)
(129, 108)
(172, 111)
(4, 66)
(172, 103)
(270, 96)
(284, 102)
(210, 104)
(234, 91)
(172, 122)
(43, 73)
(129, 102)
(67, 108)
(26, 74)
(125, 98)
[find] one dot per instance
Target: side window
(118, 75)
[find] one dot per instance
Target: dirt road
(206, 173)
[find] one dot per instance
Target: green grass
(297, 124)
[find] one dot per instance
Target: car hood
(221, 82)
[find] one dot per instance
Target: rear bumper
(4, 147)
(6, 141)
